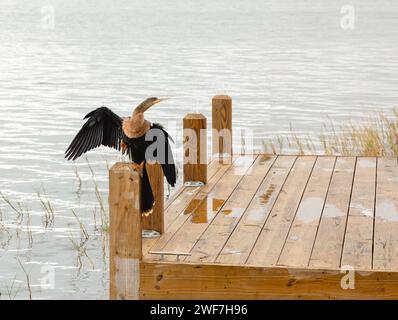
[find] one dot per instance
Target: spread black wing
(103, 127)
(168, 166)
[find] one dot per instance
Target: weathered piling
(155, 220)
(222, 126)
(125, 231)
(195, 148)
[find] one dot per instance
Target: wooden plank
(212, 169)
(201, 213)
(358, 242)
(209, 281)
(242, 239)
(269, 244)
(329, 240)
(213, 239)
(124, 231)
(386, 215)
(176, 209)
(216, 169)
(186, 205)
(155, 220)
(299, 243)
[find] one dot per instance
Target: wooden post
(195, 148)
(125, 232)
(222, 126)
(155, 220)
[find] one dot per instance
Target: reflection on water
(201, 210)
(282, 62)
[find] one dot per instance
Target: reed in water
(377, 136)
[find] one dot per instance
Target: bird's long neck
(135, 126)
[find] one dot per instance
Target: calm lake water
(282, 62)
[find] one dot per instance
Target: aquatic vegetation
(5, 241)
(48, 219)
(29, 230)
(27, 278)
(12, 290)
(81, 246)
(104, 216)
(377, 136)
(18, 225)
(17, 208)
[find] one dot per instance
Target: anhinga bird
(104, 127)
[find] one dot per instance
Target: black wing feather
(103, 127)
(169, 168)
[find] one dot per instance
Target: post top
(125, 166)
(194, 116)
(222, 97)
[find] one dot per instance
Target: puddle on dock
(201, 210)
(258, 212)
(331, 211)
(358, 209)
(366, 163)
(233, 213)
(242, 166)
(387, 211)
(310, 209)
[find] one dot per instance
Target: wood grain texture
(242, 239)
(386, 223)
(155, 220)
(178, 210)
(300, 240)
(124, 231)
(195, 147)
(176, 207)
(224, 282)
(270, 242)
(252, 235)
(329, 240)
(358, 241)
(217, 233)
(201, 213)
(222, 124)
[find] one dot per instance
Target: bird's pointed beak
(145, 105)
(161, 99)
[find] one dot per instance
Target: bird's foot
(137, 166)
(147, 213)
(123, 146)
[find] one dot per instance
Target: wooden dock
(264, 227)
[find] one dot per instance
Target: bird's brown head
(137, 125)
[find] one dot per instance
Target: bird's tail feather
(147, 199)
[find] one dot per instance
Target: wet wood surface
(286, 211)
